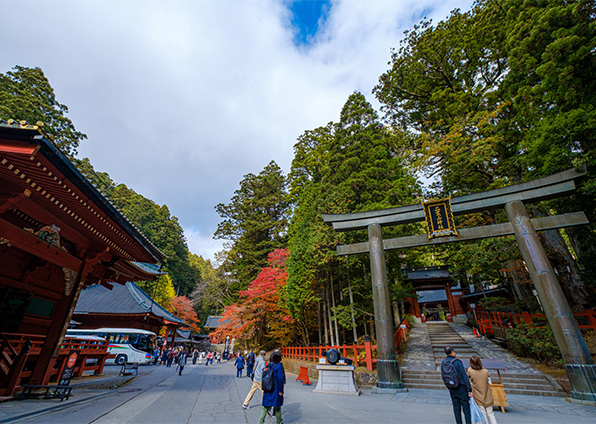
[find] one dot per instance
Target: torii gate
(579, 364)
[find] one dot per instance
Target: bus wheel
(121, 359)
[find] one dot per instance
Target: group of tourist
(179, 355)
(463, 385)
(256, 367)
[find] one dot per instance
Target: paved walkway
(213, 395)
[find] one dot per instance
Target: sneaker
(245, 406)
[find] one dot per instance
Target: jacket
(273, 398)
(239, 363)
(483, 394)
(259, 368)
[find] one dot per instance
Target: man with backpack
(456, 380)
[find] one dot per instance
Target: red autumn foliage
(259, 307)
(182, 308)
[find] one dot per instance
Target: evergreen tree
(26, 95)
(255, 223)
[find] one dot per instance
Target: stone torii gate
(579, 364)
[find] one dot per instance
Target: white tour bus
(125, 344)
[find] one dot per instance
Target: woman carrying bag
(481, 391)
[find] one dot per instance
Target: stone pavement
(418, 354)
(213, 395)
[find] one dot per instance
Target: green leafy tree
(26, 95)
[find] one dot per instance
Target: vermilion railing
(360, 354)
(487, 320)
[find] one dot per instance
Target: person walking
(170, 357)
(182, 358)
(250, 363)
(275, 398)
(239, 363)
(456, 380)
(481, 391)
(207, 357)
(195, 355)
(257, 378)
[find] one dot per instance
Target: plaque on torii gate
(579, 364)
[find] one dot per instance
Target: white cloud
(181, 99)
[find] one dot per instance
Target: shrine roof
(30, 161)
(214, 322)
(121, 299)
(428, 273)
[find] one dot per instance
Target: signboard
(69, 368)
(439, 218)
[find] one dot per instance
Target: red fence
(360, 354)
(487, 320)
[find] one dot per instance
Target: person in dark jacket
(239, 365)
(181, 361)
(275, 398)
(460, 395)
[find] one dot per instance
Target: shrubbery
(533, 342)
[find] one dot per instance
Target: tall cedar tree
(354, 165)
(26, 95)
(255, 223)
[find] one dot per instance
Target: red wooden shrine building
(58, 235)
(435, 291)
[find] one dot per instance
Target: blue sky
(181, 99)
(307, 16)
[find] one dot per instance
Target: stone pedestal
(337, 380)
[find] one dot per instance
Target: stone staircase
(441, 334)
(422, 370)
(515, 384)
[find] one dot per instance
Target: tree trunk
(396, 316)
(352, 306)
(331, 337)
(319, 322)
(564, 264)
(333, 305)
(325, 320)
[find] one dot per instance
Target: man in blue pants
(456, 379)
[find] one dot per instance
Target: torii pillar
(388, 376)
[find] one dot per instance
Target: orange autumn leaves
(181, 306)
(260, 313)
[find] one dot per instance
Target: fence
(487, 320)
(360, 354)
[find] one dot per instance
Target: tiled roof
(126, 299)
(214, 322)
(431, 296)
